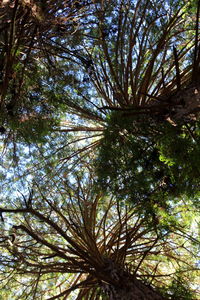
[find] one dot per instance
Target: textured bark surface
(125, 286)
(186, 104)
(132, 290)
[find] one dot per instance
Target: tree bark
(186, 104)
(132, 290)
(119, 284)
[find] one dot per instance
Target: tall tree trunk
(119, 284)
(132, 289)
(186, 104)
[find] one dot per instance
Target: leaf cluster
(147, 164)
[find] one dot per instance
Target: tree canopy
(100, 136)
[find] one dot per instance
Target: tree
(124, 91)
(145, 81)
(82, 240)
(28, 36)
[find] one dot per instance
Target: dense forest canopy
(100, 136)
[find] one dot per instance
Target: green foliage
(33, 130)
(146, 163)
(179, 289)
(60, 81)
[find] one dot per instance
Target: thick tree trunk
(118, 284)
(186, 104)
(132, 290)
